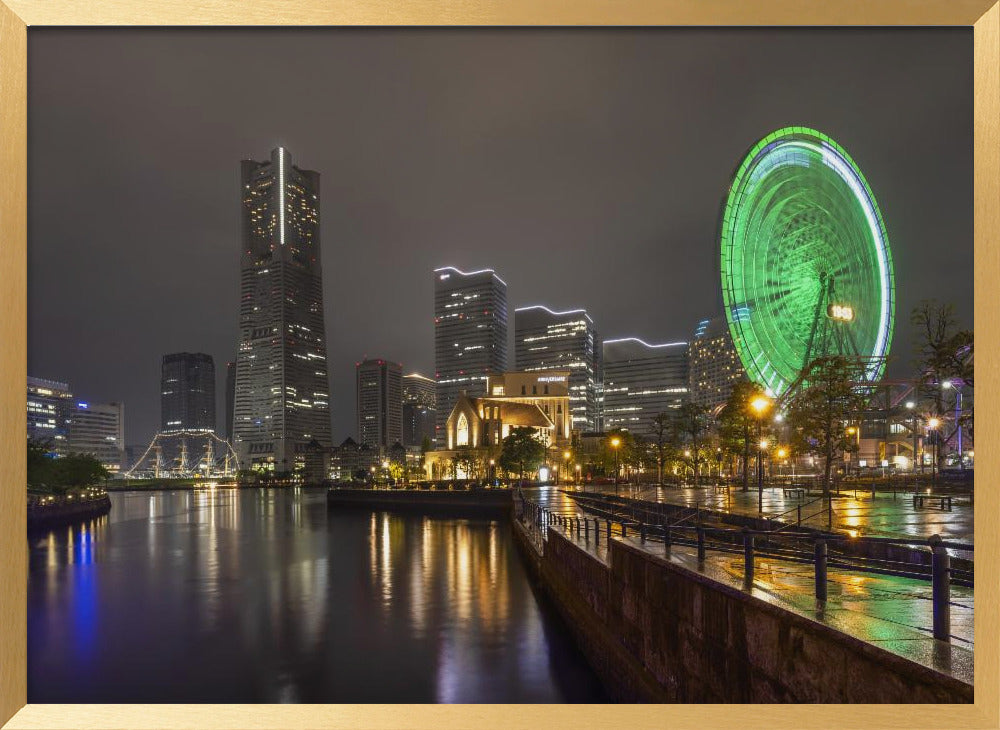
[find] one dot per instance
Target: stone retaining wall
(658, 632)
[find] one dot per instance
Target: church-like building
(477, 426)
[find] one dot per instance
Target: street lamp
(493, 463)
(615, 443)
(782, 454)
(760, 405)
(911, 406)
(934, 423)
(566, 456)
(578, 475)
(854, 431)
(958, 415)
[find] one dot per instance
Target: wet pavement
(892, 612)
(854, 512)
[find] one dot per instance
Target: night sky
(586, 166)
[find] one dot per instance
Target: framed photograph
(503, 365)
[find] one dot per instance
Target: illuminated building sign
(552, 379)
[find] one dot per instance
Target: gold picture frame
(15, 18)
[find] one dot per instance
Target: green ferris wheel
(806, 268)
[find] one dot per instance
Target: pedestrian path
(856, 513)
(892, 612)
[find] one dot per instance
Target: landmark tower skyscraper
(282, 402)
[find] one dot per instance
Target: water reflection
(230, 595)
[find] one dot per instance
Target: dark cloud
(586, 166)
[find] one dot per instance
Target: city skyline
(541, 195)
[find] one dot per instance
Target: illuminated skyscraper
(282, 389)
(98, 429)
(548, 340)
(380, 403)
(641, 381)
(187, 392)
(714, 363)
(419, 409)
(49, 407)
(470, 335)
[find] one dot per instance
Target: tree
(60, 474)
(689, 427)
(820, 412)
(737, 425)
(945, 353)
(521, 451)
(660, 429)
(464, 459)
(39, 462)
(629, 452)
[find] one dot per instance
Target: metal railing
(789, 548)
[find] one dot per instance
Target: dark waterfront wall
(495, 502)
(657, 632)
(64, 511)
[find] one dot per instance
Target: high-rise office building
(470, 335)
(187, 392)
(641, 381)
(98, 429)
(282, 401)
(380, 403)
(548, 340)
(49, 406)
(230, 398)
(419, 409)
(714, 365)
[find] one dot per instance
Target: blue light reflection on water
(264, 596)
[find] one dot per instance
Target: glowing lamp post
(615, 443)
(760, 406)
(911, 406)
(948, 384)
(853, 431)
(493, 463)
(565, 474)
(934, 424)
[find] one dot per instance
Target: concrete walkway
(892, 612)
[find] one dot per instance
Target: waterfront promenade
(888, 611)
(856, 513)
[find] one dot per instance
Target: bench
(797, 492)
(919, 499)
